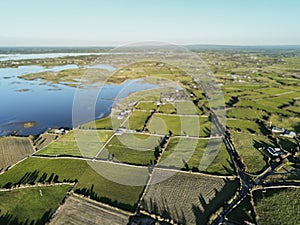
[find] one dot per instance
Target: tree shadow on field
(10, 219)
(33, 178)
(203, 212)
(288, 145)
(265, 131)
(233, 100)
(197, 211)
(207, 131)
(89, 192)
(163, 209)
(296, 127)
(261, 144)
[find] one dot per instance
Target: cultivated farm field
(193, 200)
(77, 211)
(13, 149)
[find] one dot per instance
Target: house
(59, 131)
(289, 134)
(274, 151)
(123, 113)
(277, 130)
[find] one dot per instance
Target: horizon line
(114, 46)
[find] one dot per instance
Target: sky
(117, 22)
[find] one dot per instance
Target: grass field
(278, 206)
(247, 145)
(167, 108)
(137, 120)
(33, 205)
(179, 149)
(90, 183)
(186, 108)
(272, 91)
(132, 148)
(294, 109)
(153, 69)
(193, 200)
(146, 106)
(68, 77)
(245, 113)
(78, 211)
(244, 125)
(106, 123)
(13, 149)
(180, 125)
(288, 123)
(88, 143)
(265, 105)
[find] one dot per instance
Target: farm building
(289, 134)
(123, 113)
(274, 151)
(277, 130)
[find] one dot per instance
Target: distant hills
(194, 47)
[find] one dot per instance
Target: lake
(48, 104)
(5, 57)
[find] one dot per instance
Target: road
(246, 184)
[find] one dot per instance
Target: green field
(187, 198)
(13, 149)
(33, 170)
(245, 113)
(167, 108)
(83, 143)
(265, 105)
(153, 69)
(278, 206)
(132, 148)
(188, 153)
(288, 123)
(180, 125)
(294, 109)
(137, 120)
(33, 205)
(186, 108)
(260, 86)
(69, 76)
(245, 125)
(146, 106)
(247, 145)
(106, 123)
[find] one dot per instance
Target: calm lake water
(48, 104)
(5, 57)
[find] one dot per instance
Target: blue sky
(114, 22)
